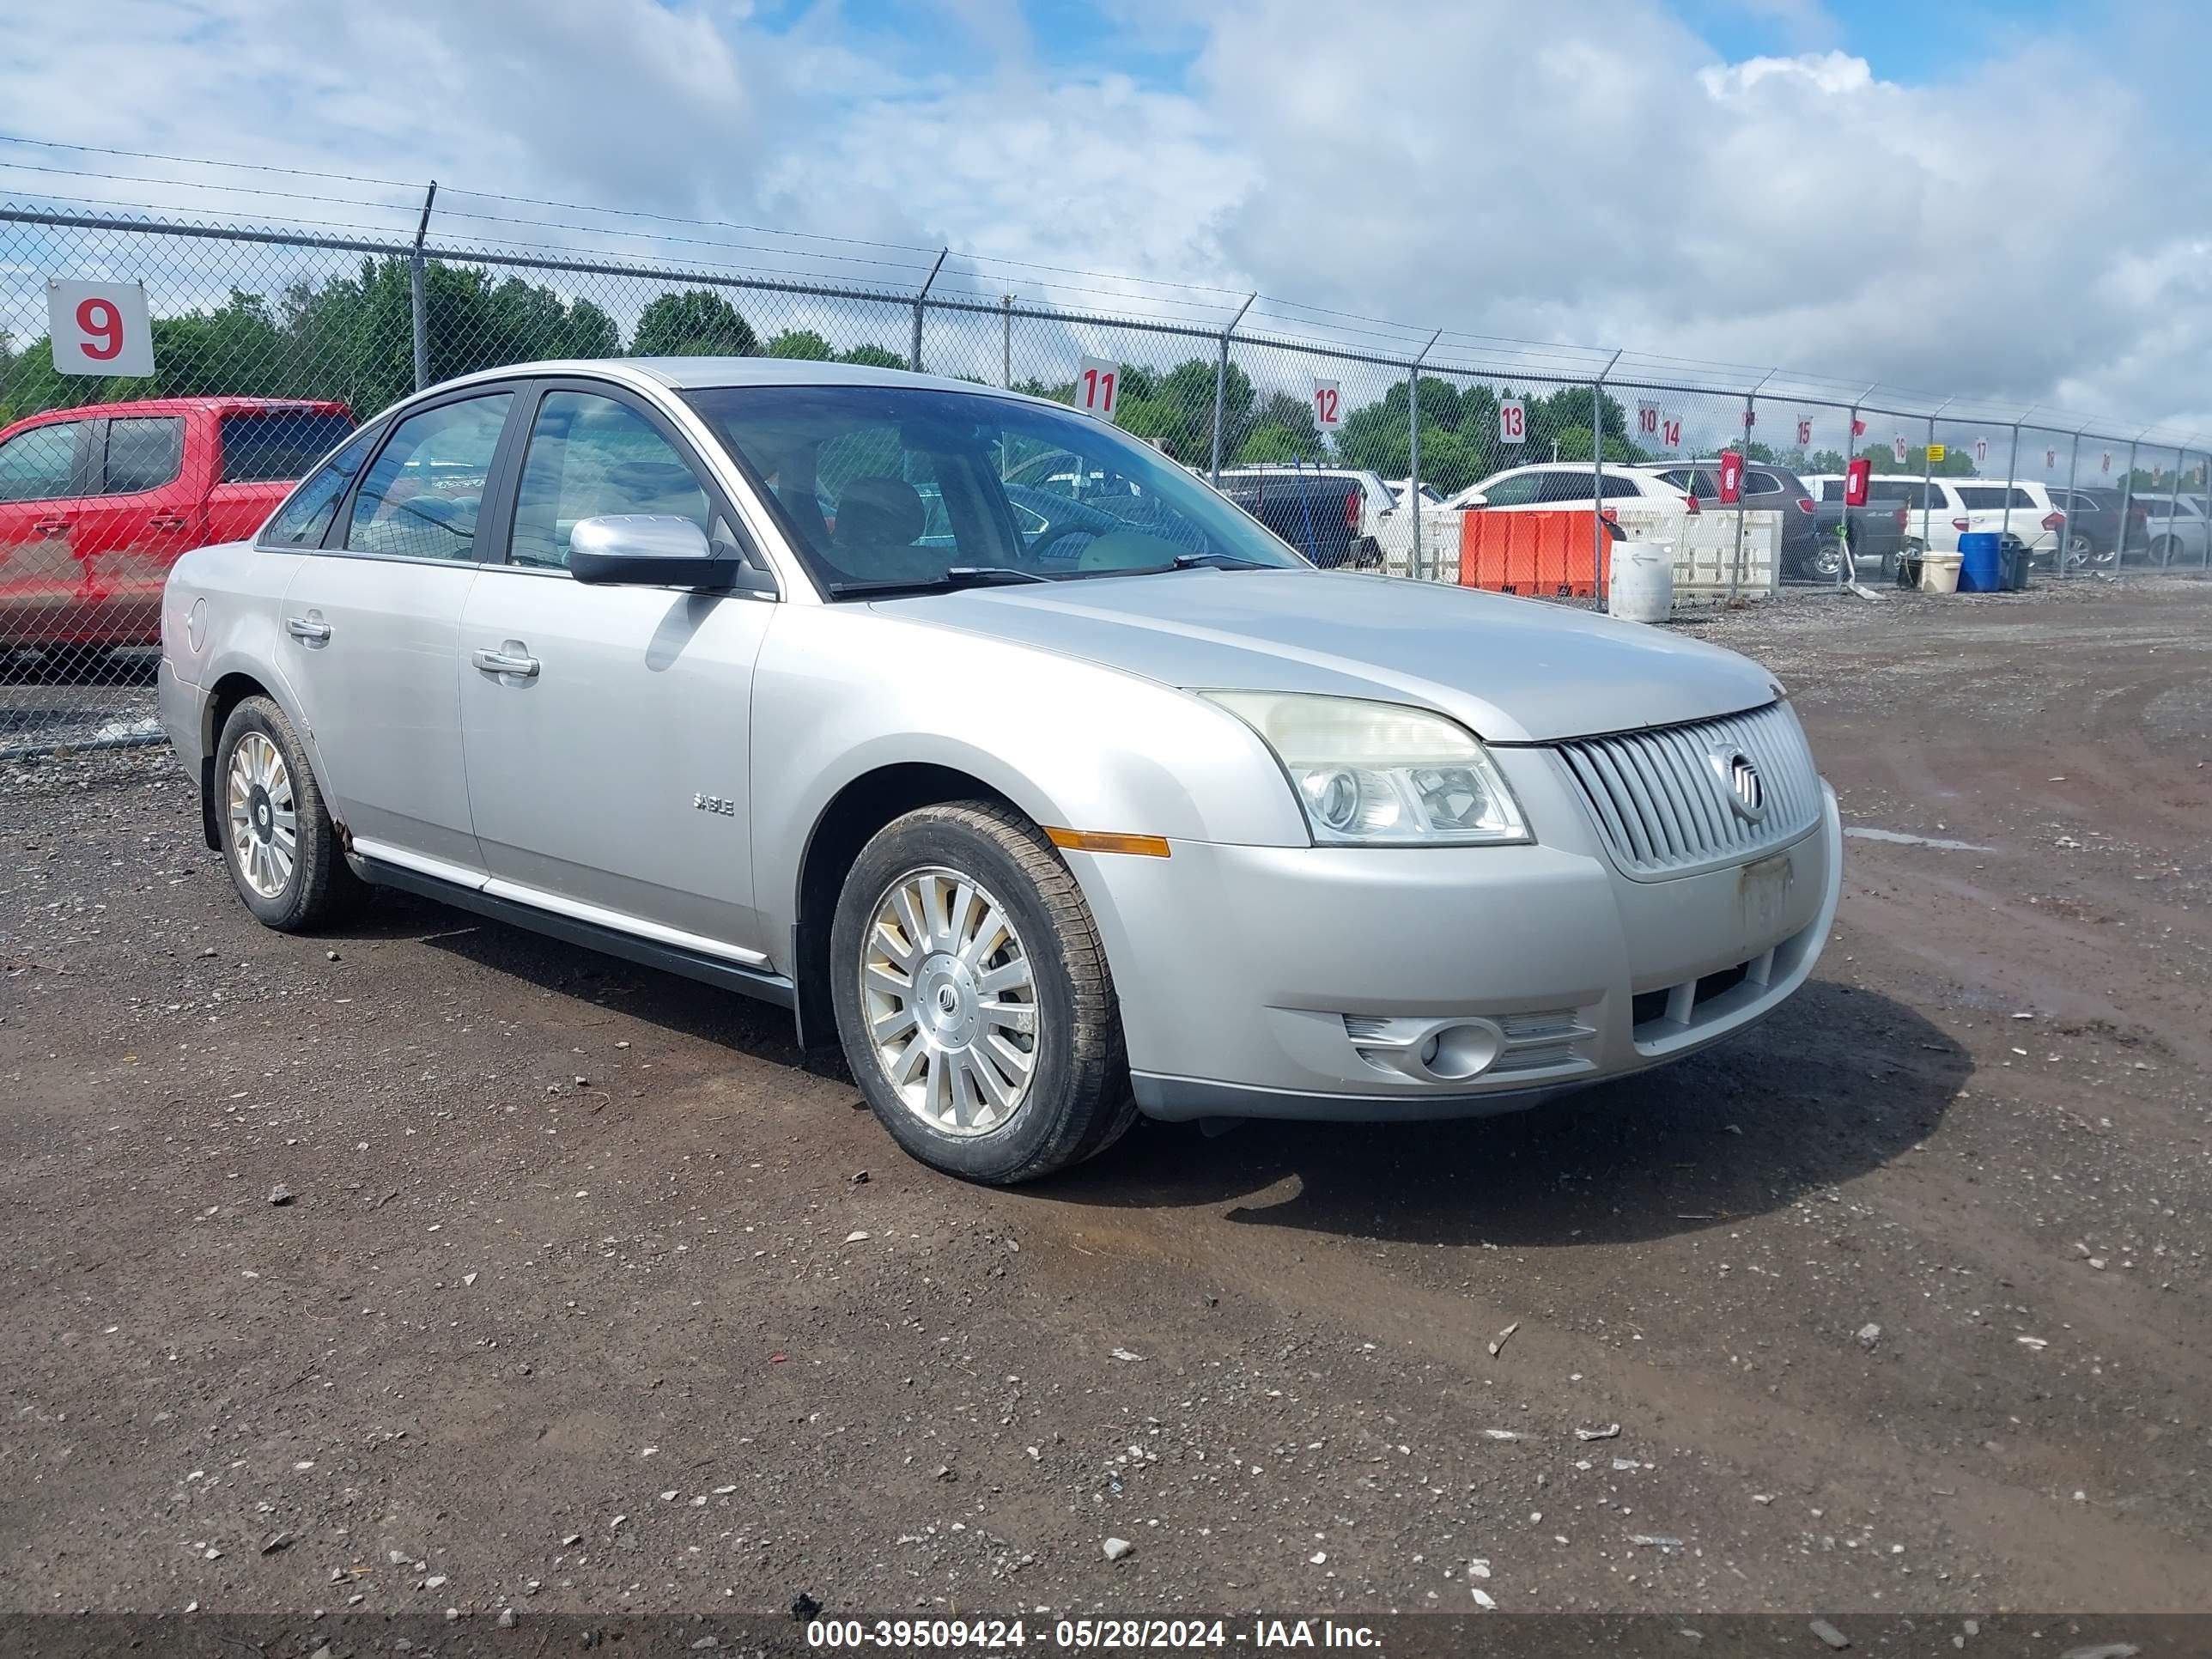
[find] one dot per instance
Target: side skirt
(711, 970)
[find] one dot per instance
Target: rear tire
(2163, 549)
(972, 997)
(279, 844)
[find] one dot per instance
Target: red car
(96, 504)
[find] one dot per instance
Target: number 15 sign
(99, 328)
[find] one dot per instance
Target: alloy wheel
(264, 813)
(951, 1001)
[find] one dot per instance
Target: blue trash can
(1981, 562)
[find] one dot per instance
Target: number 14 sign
(99, 328)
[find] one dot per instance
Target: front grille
(1663, 807)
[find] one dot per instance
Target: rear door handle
(302, 628)
(168, 521)
(504, 662)
(50, 526)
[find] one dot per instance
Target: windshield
(881, 485)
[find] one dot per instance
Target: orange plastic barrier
(1549, 555)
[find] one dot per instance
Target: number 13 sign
(99, 328)
(1512, 421)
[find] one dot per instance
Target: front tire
(973, 998)
(278, 842)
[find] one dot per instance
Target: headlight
(1379, 773)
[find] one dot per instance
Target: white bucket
(1939, 572)
(1641, 587)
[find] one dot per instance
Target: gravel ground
(581, 1295)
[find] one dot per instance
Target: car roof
(695, 373)
(187, 405)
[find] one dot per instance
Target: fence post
(921, 299)
(1413, 456)
(1927, 481)
(1743, 448)
(2012, 472)
(2128, 493)
(1006, 343)
(418, 308)
(1221, 386)
(2073, 509)
(1600, 541)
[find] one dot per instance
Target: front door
(607, 726)
(370, 640)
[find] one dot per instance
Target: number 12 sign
(1329, 404)
(99, 328)
(1097, 384)
(1512, 421)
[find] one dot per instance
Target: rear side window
(1761, 484)
(274, 445)
(305, 517)
(1615, 484)
(41, 465)
(1982, 498)
(145, 451)
(421, 497)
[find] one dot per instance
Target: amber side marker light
(1100, 840)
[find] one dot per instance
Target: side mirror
(1467, 503)
(646, 549)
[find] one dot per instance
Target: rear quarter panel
(242, 585)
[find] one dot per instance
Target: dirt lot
(586, 1299)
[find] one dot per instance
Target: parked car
(1766, 487)
(1954, 506)
(1321, 512)
(1431, 496)
(1378, 500)
(2176, 527)
(97, 502)
(1554, 484)
(2094, 516)
(647, 654)
(1876, 533)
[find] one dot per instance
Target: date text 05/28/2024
(1087, 1633)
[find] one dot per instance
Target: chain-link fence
(268, 340)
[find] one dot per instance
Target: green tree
(802, 344)
(1825, 460)
(696, 323)
(875, 356)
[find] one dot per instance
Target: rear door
(608, 775)
(371, 640)
(46, 472)
(259, 454)
(147, 508)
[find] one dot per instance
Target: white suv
(2178, 529)
(1568, 484)
(1956, 507)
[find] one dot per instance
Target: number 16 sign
(99, 328)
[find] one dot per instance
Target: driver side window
(590, 457)
(1519, 490)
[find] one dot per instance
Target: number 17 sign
(99, 328)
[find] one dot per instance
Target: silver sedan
(996, 745)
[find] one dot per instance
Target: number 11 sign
(99, 328)
(1097, 384)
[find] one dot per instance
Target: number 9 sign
(99, 328)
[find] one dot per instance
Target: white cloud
(2032, 227)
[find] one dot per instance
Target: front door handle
(308, 629)
(50, 526)
(504, 662)
(168, 521)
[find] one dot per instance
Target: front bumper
(1251, 979)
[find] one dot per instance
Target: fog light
(1460, 1052)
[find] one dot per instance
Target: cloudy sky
(2005, 199)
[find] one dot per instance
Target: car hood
(1512, 671)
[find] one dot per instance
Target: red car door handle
(169, 521)
(50, 526)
